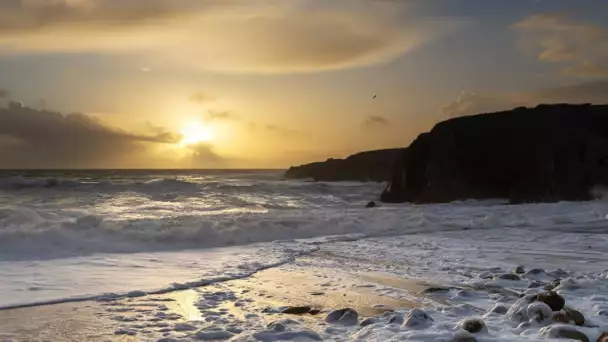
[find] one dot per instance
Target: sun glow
(195, 132)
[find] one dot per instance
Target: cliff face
(542, 154)
(365, 166)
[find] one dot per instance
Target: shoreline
(275, 287)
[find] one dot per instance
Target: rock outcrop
(542, 154)
(365, 166)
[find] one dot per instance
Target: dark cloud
(34, 15)
(213, 115)
(375, 121)
(579, 47)
(201, 97)
(587, 92)
(44, 139)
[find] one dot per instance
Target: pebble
(345, 316)
(417, 319)
(555, 301)
(473, 325)
(368, 321)
(296, 310)
(575, 316)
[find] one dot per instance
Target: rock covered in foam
(534, 273)
(538, 311)
(343, 316)
(463, 336)
(395, 319)
(499, 309)
(508, 276)
(518, 311)
(417, 319)
(211, 334)
(564, 331)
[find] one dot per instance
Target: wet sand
(322, 288)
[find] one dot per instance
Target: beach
(340, 275)
(252, 257)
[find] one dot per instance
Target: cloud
(214, 115)
(201, 97)
(34, 138)
(269, 128)
(203, 156)
(227, 35)
(282, 130)
(375, 121)
(586, 92)
(579, 47)
(3, 93)
(468, 103)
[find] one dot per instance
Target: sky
(274, 83)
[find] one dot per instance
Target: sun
(195, 132)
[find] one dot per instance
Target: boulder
(543, 154)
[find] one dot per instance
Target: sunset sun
(195, 132)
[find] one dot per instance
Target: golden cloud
(227, 36)
(581, 47)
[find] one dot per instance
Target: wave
(26, 233)
(19, 182)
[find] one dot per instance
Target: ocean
(69, 236)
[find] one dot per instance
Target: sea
(73, 234)
(78, 235)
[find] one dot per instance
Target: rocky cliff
(365, 166)
(542, 154)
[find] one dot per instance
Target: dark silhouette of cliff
(542, 154)
(365, 166)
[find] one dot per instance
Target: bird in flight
(375, 96)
